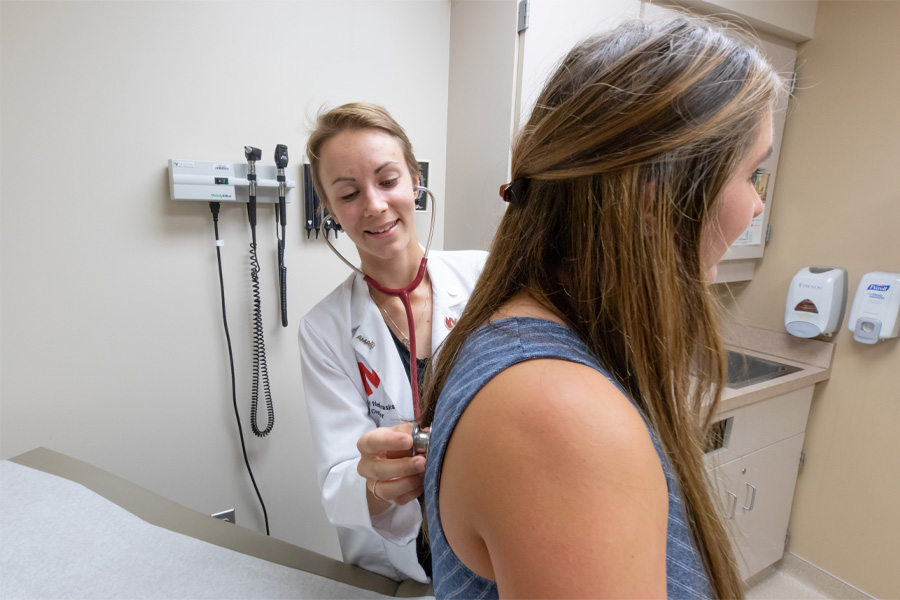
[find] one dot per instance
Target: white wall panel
(112, 344)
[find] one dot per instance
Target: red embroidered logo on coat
(449, 322)
(368, 377)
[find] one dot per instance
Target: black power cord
(214, 209)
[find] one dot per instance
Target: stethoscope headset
(420, 437)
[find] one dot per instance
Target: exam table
(71, 530)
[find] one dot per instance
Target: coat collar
(449, 296)
(372, 340)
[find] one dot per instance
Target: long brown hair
(625, 155)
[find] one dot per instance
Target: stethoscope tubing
(403, 294)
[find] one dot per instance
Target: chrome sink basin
(746, 370)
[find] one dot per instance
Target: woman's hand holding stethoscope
(392, 475)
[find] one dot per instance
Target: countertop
(813, 356)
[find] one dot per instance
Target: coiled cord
(259, 352)
(214, 209)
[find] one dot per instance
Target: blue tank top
(488, 351)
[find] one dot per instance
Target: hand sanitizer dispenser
(816, 301)
(875, 308)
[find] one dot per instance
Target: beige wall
(112, 344)
(838, 203)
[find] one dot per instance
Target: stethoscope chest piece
(421, 439)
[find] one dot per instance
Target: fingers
(382, 441)
(399, 491)
(383, 469)
(391, 474)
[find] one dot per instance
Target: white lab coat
(355, 381)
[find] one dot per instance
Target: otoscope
(259, 345)
(281, 161)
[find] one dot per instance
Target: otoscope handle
(251, 211)
(284, 319)
(282, 277)
(281, 161)
(252, 155)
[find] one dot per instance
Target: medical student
(354, 344)
(572, 400)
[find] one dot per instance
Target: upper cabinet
(739, 262)
(497, 73)
(554, 27)
(793, 20)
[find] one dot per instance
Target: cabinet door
(739, 261)
(755, 493)
(726, 482)
(765, 495)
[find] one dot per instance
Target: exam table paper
(61, 540)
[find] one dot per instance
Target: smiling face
(740, 203)
(370, 193)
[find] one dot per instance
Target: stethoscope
(420, 437)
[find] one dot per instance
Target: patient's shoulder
(556, 448)
(567, 403)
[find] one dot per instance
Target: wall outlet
(225, 515)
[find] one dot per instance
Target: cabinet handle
(733, 505)
(752, 497)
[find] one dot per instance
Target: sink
(746, 370)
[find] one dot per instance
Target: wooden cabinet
(794, 21)
(739, 262)
(497, 73)
(754, 472)
(756, 492)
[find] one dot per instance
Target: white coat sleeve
(338, 416)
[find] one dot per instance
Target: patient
(569, 404)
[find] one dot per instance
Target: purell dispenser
(874, 313)
(815, 301)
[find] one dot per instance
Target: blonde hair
(350, 117)
(623, 160)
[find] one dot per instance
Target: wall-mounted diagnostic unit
(217, 181)
(250, 183)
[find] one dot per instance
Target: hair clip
(514, 192)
